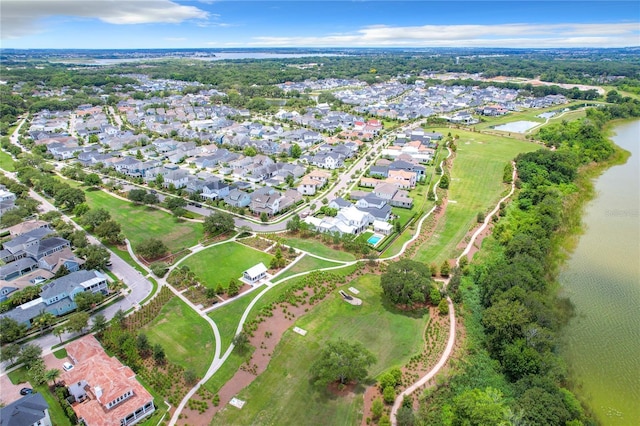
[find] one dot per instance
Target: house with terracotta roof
(402, 179)
(105, 392)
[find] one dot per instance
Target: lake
(602, 278)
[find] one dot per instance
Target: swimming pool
(374, 239)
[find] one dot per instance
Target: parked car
(26, 391)
(67, 366)
(37, 280)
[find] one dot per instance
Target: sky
(123, 24)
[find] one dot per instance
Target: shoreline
(568, 237)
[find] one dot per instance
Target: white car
(67, 366)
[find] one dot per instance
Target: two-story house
(105, 392)
(30, 410)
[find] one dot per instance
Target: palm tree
(59, 331)
(52, 375)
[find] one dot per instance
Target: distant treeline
(511, 372)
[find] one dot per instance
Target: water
(373, 240)
(517, 126)
(602, 279)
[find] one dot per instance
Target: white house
(255, 273)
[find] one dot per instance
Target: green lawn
(228, 316)
(526, 115)
(306, 264)
(476, 185)
(56, 411)
(6, 161)
(319, 249)
(186, 337)
(140, 223)
(283, 394)
(219, 264)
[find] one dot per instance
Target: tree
(11, 330)
(10, 352)
(30, 354)
(233, 288)
(445, 269)
(376, 408)
(151, 199)
(87, 300)
(44, 320)
(443, 307)
(389, 394)
(406, 282)
(480, 407)
(52, 375)
(143, 345)
(264, 217)
(78, 322)
(176, 205)
(110, 231)
(58, 332)
(99, 323)
(444, 182)
(152, 248)
(218, 223)
(96, 257)
(95, 217)
(190, 377)
(241, 341)
(92, 179)
(119, 317)
(405, 417)
(296, 151)
(69, 198)
(137, 195)
(293, 224)
(158, 354)
(343, 362)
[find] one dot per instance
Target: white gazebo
(255, 273)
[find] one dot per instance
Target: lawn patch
(140, 223)
(222, 263)
(185, 336)
(392, 336)
(319, 249)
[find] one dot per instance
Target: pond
(517, 126)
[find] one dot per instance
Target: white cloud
(504, 35)
(23, 17)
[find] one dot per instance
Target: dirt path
(452, 316)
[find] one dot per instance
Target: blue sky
(224, 24)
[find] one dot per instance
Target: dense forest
(512, 373)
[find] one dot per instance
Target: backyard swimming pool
(374, 239)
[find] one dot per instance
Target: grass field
(6, 162)
(476, 185)
(219, 264)
(527, 115)
(140, 223)
(56, 412)
(319, 249)
(187, 338)
(306, 264)
(284, 394)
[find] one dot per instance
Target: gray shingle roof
(25, 411)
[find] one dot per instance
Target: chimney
(98, 391)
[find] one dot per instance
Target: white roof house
(255, 273)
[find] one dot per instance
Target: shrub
(376, 408)
(389, 394)
(159, 268)
(443, 307)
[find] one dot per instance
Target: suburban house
(349, 220)
(7, 200)
(105, 392)
(378, 208)
(25, 252)
(331, 160)
(313, 181)
(394, 196)
(177, 178)
(269, 201)
(26, 226)
(30, 410)
(215, 190)
(237, 198)
(57, 297)
(402, 179)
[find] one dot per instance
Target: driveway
(10, 392)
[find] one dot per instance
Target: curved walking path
(452, 316)
(217, 362)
